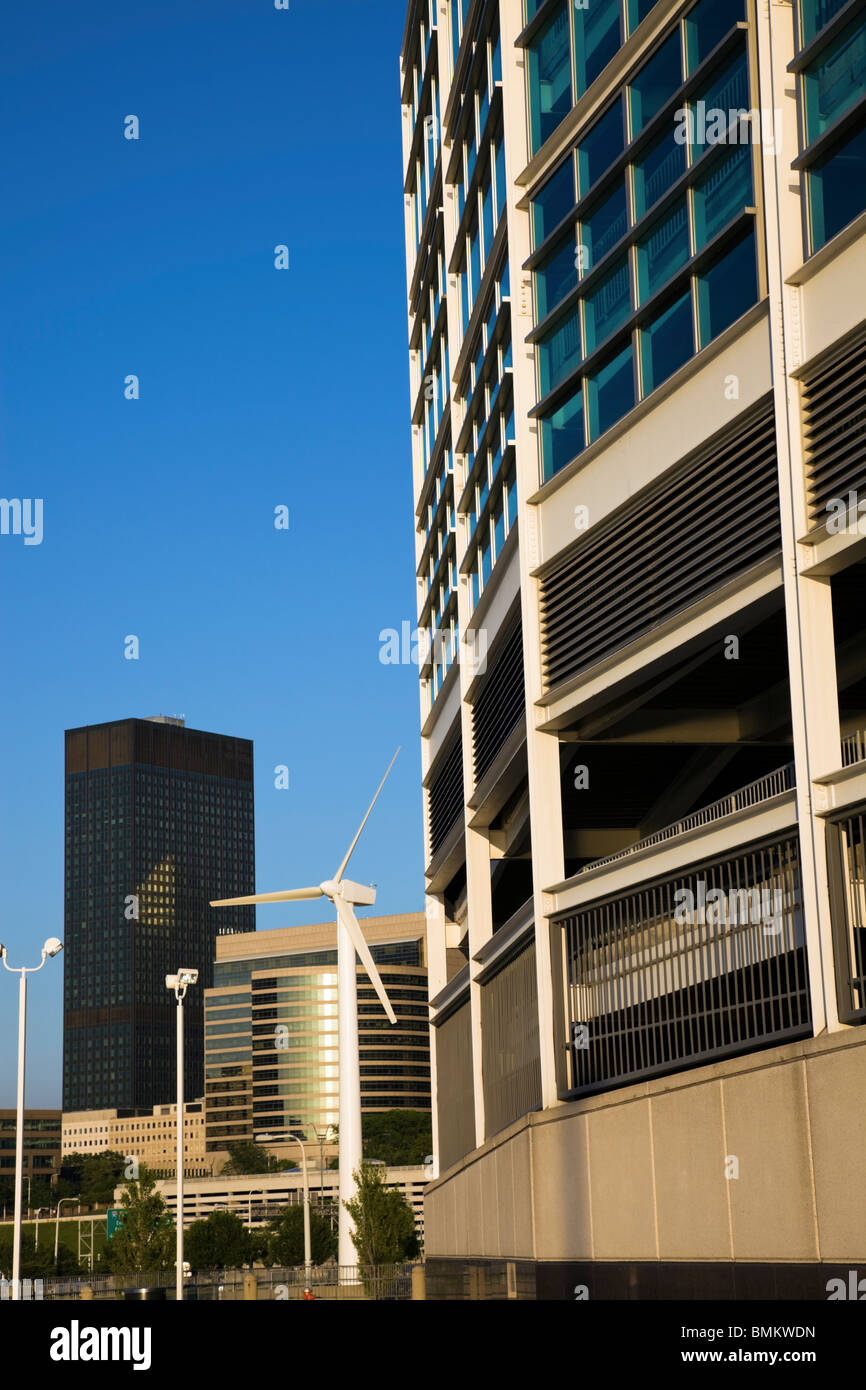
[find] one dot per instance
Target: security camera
(52, 946)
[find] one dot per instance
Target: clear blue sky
(258, 388)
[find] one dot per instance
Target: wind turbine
(346, 896)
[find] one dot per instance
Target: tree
(286, 1246)
(384, 1221)
(36, 1263)
(145, 1241)
(399, 1137)
(92, 1177)
(247, 1158)
(221, 1241)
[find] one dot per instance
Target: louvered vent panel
(446, 795)
(709, 521)
(500, 703)
(834, 427)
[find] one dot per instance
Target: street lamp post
(261, 1192)
(323, 1137)
(179, 983)
(38, 1211)
(287, 1134)
(60, 1202)
(51, 948)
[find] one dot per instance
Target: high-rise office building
(271, 1030)
(636, 246)
(159, 820)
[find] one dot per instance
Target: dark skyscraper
(159, 819)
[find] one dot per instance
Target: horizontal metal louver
(692, 532)
(834, 427)
(500, 703)
(446, 795)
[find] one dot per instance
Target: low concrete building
(258, 1197)
(148, 1135)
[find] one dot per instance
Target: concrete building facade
(633, 230)
(148, 1136)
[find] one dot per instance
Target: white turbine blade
(290, 895)
(350, 922)
(342, 869)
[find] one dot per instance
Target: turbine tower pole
(350, 1090)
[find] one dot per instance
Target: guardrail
(854, 748)
(762, 789)
(368, 1282)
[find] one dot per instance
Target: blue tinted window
(559, 353)
(554, 200)
(597, 151)
(496, 60)
(483, 109)
(666, 343)
(721, 193)
(727, 289)
(610, 393)
(511, 504)
(835, 79)
(562, 435)
(655, 83)
(707, 24)
(608, 306)
(814, 14)
(656, 171)
(603, 226)
(474, 260)
(837, 187)
(455, 30)
(487, 214)
(727, 90)
(555, 276)
(596, 39)
(663, 251)
(500, 177)
(637, 11)
(550, 95)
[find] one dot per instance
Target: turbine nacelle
(362, 894)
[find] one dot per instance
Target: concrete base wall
(758, 1160)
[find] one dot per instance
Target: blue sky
(258, 388)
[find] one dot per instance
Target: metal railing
(846, 863)
(744, 799)
(706, 964)
(366, 1282)
(854, 748)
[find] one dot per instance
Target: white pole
(19, 1137)
(178, 1283)
(350, 1091)
(308, 1258)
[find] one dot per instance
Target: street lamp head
(52, 947)
(187, 977)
